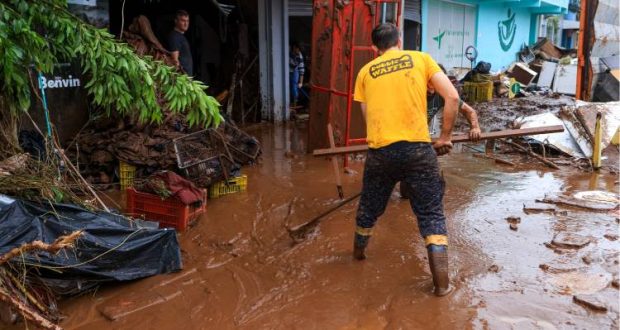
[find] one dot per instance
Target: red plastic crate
(169, 212)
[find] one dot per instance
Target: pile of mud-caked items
(122, 150)
(538, 90)
(202, 156)
(540, 69)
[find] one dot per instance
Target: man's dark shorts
(415, 165)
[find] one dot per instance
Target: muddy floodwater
(243, 271)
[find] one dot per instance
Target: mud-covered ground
(242, 270)
(500, 113)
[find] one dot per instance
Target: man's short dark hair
(181, 13)
(385, 36)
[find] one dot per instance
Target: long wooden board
(455, 139)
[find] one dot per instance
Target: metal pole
(581, 48)
(45, 109)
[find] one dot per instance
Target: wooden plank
(332, 144)
(455, 139)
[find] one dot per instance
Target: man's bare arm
(175, 56)
(444, 87)
(472, 118)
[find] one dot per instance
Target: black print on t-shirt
(390, 66)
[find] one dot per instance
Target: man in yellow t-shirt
(392, 93)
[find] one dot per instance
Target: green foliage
(35, 34)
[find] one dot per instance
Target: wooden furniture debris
(522, 73)
(531, 153)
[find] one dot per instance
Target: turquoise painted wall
(500, 47)
(424, 13)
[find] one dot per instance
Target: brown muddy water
(243, 271)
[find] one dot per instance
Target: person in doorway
(178, 44)
(392, 92)
(296, 71)
(435, 104)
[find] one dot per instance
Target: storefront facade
(498, 29)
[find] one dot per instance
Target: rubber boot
(359, 245)
(438, 262)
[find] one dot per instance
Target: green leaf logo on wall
(438, 38)
(507, 30)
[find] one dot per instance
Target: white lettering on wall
(59, 82)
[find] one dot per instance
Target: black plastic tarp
(111, 247)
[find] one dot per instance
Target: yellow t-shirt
(393, 86)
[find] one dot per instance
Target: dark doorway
(300, 32)
(411, 35)
(223, 38)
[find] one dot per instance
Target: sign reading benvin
(59, 82)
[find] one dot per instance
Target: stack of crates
(230, 186)
(478, 91)
(169, 212)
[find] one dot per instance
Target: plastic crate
(230, 186)
(478, 91)
(127, 174)
(243, 147)
(169, 212)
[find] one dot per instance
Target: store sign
(59, 82)
(506, 30)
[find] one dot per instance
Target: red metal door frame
(343, 41)
(354, 48)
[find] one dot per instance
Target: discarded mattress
(111, 248)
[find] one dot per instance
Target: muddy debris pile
(140, 36)
(203, 156)
(575, 146)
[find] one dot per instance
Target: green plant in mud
(36, 34)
